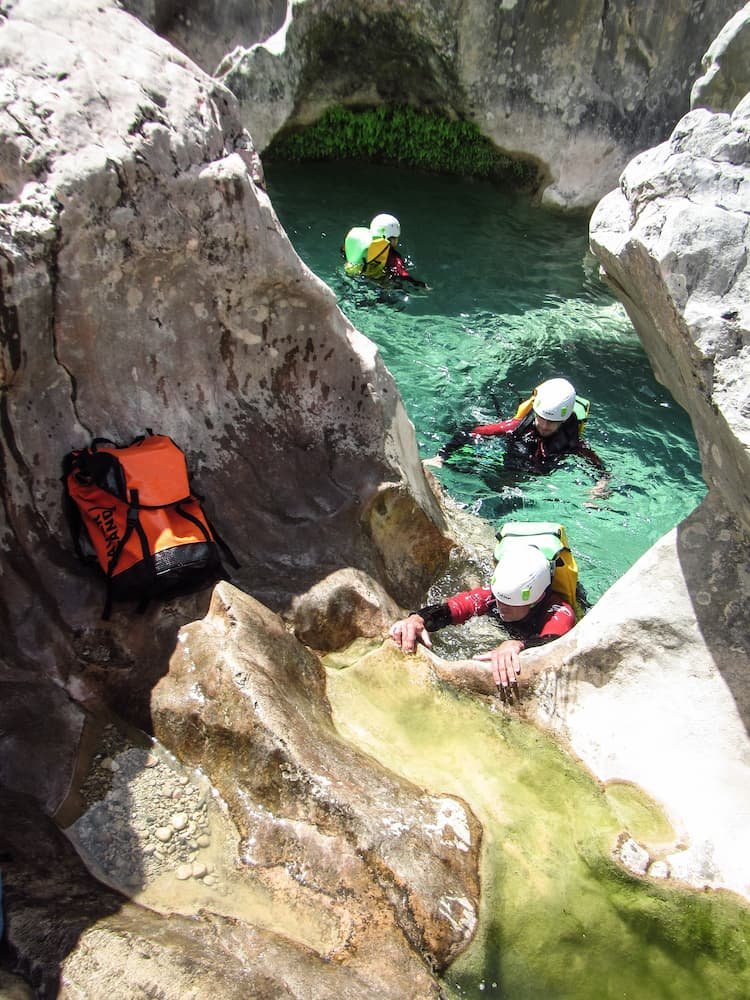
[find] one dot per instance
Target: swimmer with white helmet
(546, 427)
(521, 595)
(371, 252)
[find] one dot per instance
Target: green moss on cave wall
(406, 137)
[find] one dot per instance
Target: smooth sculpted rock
(72, 938)
(245, 702)
(726, 65)
(652, 686)
(674, 244)
(147, 283)
(576, 89)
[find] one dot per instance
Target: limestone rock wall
(652, 686)
(673, 240)
(726, 67)
(576, 87)
(147, 283)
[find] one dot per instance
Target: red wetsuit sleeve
(396, 265)
(465, 605)
(504, 427)
(558, 618)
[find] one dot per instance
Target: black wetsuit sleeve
(591, 456)
(435, 616)
(459, 439)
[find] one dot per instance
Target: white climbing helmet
(555, 399)
(521, 576)
(385, 226)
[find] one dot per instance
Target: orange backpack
(132, 511)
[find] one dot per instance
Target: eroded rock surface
(653, 684)
(674, 242)
(147, 282)
(100, 944)
(246, 703)
(652, 687)
(726, 65)
(577, 89)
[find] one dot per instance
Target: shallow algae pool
(560, 919)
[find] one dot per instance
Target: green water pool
(515, 298)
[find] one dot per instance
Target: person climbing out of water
(372, 252)
(545, 428)
(532, 593)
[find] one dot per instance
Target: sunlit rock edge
(678, 612)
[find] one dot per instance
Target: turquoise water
(515, 298)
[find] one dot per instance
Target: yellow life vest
(364, 254)
(581, 409)
(551, 540)
(376, 258)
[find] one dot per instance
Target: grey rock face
(674, 242)
(148, 283)
(726, 65)
(577, 89)
(653, 686)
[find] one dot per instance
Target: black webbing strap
(131, 524)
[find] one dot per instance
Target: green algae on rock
(407, 137)
(560, 917)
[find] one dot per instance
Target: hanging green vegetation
(405, 136)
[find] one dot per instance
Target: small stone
(151, 761)
(210, 880)
(184, 872)
(178, 793)
(659, 869)
(199, 870)
(204, 840)
(163, 833)
(634, 857)
(180, 821)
